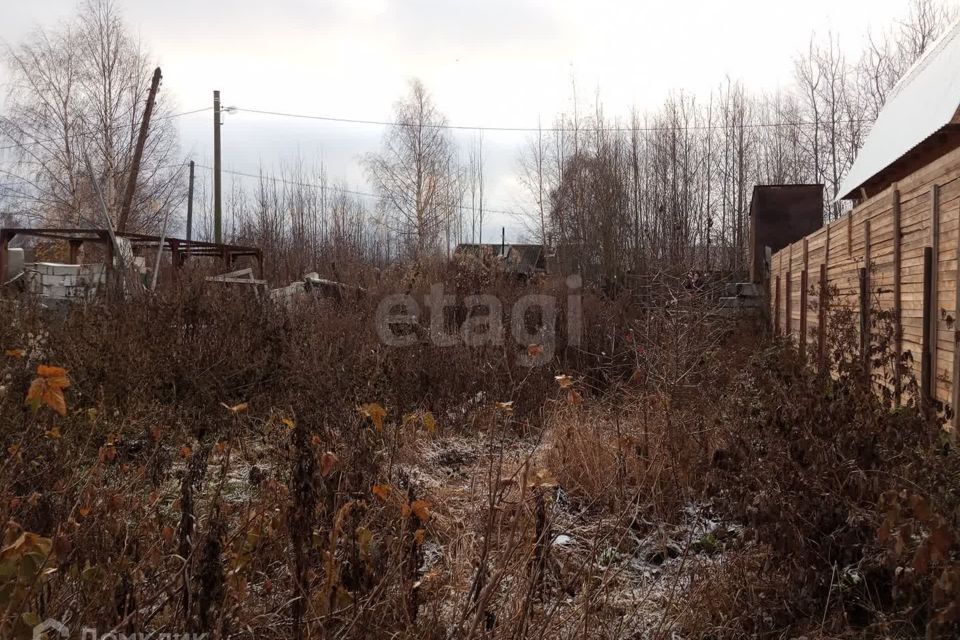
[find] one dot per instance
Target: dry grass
(644, 495)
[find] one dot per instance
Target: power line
(553, 129)
(312, 185)
(91, 135)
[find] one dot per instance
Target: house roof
(922, 103)
(525, 257)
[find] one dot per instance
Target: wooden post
(5, 237)
(776, 307)
(803, 312)
(865, 327)
(217, 220)
(934, 321)
(826, 248)
(822, 319)
(75, 251)
(864, 320)
(190, 204)
(897, 301)
(926, 377)
(850, 234)
(804, 300)
(788, 311)
(138, 152)
(955, 382)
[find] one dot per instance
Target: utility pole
(217, 219)
(138, 152)
(190, 205)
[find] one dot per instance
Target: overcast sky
(495, 62)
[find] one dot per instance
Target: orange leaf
(382, 491)
(48, 391)
(185, 452)
(167, 534)
(45, 371)
(534, 350)
(421, 508)
(419, 535)
(564, 381)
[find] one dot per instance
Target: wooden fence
(898, 251)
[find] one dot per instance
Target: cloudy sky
(492, 63)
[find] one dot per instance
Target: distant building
(779, 215)
(480, 250)
(519, 259)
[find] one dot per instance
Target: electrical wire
(312, 185)
(551, 129)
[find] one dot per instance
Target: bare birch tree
(412, 173)
(82, 89)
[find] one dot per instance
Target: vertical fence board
(897, 299)
(926, 372)
(822, 323)
(803, 313)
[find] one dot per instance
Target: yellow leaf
(13, 353)
(288, 422)
(327, 462)
(375, 412)
(364, 538)
(54, 433)
(506, 407)
(564, 381)
(382, 491)
(429, 422)
(421, 508)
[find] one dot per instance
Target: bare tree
(82, 89)
(412, 173)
